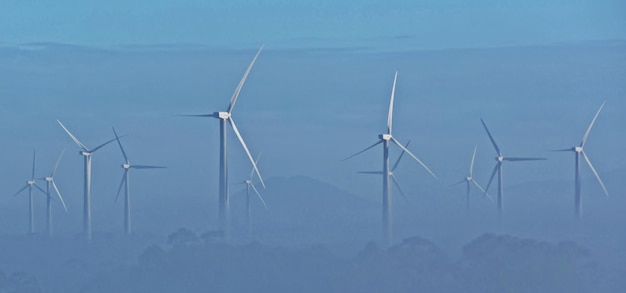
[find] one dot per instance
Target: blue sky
(415, 24)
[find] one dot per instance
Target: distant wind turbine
(87, 154)
(578, 152)
(385, 139)
(224, 117)
(125, 183)
(469, 180)
(250, 185)
(391, 173)
(498, 168)
(50, 184)
(29, 185)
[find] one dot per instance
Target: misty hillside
(302, 210)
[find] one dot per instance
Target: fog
(306, 110)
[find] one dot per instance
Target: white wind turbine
(50, 184)
(469, 180)
(125, 183)
(29, 185)
(498, 168)
(226, 117)
(385, 139)
(249, 186)
(391, 173)
(87, 154)
(578, 152)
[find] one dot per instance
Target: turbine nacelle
(84, 153)
(386, 137)
(222, 115)
(48, 179)
(468, 178)
(126, 166)
(578, 149)
(500, 159)
(30, 182)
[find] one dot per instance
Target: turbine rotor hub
(248, 181)
(222, 115)
(386, 137)
(578, 149)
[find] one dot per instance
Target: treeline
(490, 263)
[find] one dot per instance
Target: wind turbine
(498, 168)
(469, 180)
(87, 154)
(385, 139)
(225, 118)
(124, 183)
(250, 185)
(391, 173)
(29, 185)
(578, 152)
(50, 184)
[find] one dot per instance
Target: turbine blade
(100, 146)
(393, 93)
(196, 115)
(243, 144)
(395, 165)
(258, 195)
(39, 188)
(119, 189)
(76, 141)
(395, 182)
(493, 174)
(22, 189)
(257, 162)
(233, 99)
(495, 145)
(485, 193)
(33, 173)
(369, 147)
(591, 125)
(56, 165)
(524, 159)
(460, 182)
(563, 150)
(478, 185)
(471, 170)
(371, 172)
(595, 173)
(413, 156)
(59, 194)
(120, 144)
(146, 167)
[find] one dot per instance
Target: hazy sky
(421, 24)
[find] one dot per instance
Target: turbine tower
(498, 167)
(250, 185)
(578, 152)
(29, 185)
(386, 139)
(125, 183)
(225, 118)
(87, 154)
(50, 184)
(469, 180)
